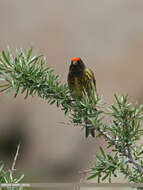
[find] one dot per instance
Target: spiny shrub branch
(30, 75)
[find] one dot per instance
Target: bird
(81, 81)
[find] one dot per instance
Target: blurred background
(108, 36)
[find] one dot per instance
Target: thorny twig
(14, 161)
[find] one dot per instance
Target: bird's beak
(74, 63)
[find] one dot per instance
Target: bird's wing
(90, 76)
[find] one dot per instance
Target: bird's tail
(89, 132)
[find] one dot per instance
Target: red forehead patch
(76, 59)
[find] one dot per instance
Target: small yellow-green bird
(81, 81)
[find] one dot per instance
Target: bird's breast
(78, 86)
(77, 83)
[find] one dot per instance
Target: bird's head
(77, 66)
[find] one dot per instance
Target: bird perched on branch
(81, 81)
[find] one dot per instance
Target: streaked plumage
(81, 82)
